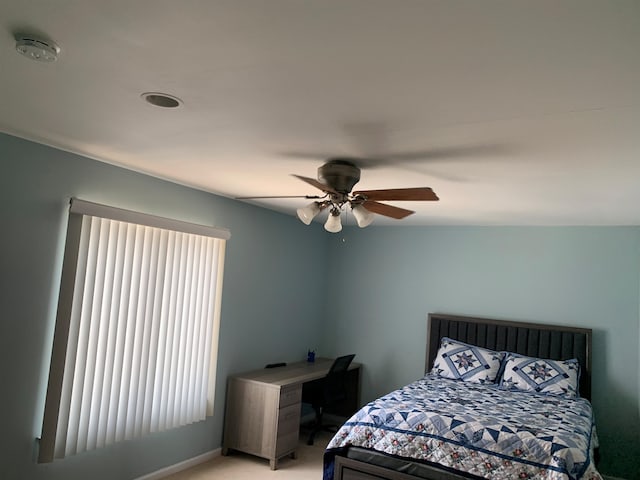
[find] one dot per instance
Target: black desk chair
(327, 392)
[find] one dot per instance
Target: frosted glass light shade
(308, 213)
(333, 224)
(363, 216)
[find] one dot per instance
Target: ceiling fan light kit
(336, 178)
(363, 216)
(333, 223)
(308, 213)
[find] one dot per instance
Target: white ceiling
(514, 112)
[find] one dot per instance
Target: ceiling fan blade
(412, 194)
(316, 183)
(459, 151)
(387, 210)
(374, 156)
(281, 196)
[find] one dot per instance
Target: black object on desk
(275, 365)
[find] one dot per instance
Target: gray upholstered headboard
(531, 339)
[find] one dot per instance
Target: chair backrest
(341, 364)
(334, 382)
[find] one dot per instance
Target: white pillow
(465, 362)
(541, 375)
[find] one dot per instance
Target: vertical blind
(136, 337)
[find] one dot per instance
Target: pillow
(541, 375)
(465, 362)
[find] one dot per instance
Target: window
(135, 342)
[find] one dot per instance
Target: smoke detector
(37, 48)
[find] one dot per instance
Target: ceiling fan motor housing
(339, 174)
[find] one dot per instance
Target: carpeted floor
(238, 466)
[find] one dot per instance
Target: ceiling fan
(336, 178)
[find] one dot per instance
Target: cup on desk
(311, 356)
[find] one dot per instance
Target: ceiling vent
(162, 99)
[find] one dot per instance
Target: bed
(482, 425)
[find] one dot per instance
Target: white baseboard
(178, 467)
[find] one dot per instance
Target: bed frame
(531, 339)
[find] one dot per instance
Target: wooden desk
(263, 407)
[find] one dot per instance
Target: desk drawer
(289, 419)
(290, 395)
(288, 429)
(286, 444)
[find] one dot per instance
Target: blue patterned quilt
(477, 429)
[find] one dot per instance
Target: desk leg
(294, 454)
(273, 464)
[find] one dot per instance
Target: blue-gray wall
(581, 276)
(288, 287)
(272, 304)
